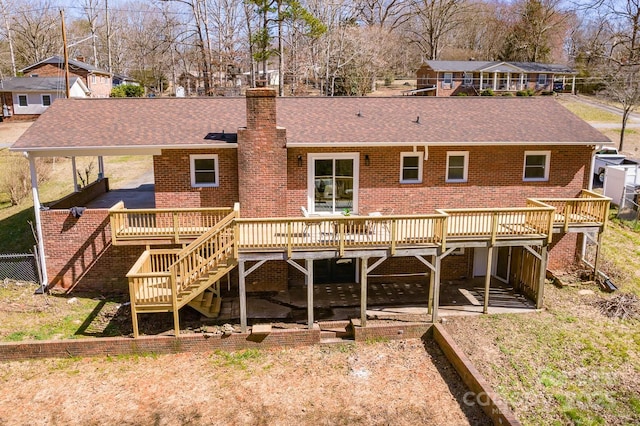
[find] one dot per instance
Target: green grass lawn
(590, 113)
(568, 364)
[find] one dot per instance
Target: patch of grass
(238, 360)
(590, 113)
(376, 340)
(41, 317)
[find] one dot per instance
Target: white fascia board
(423, 143)
(116, 150)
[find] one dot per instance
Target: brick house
(452, 78)
(435, 189)
(97, 80)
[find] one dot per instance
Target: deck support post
(436, 289)
(544, 254)
(487, 280)
(243, 296)
(364, 262)
(309, 281)
(432, 277)
(596, 260)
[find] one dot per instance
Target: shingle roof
(35, 84)
(174, 122)
(57, 60)
(469, 66)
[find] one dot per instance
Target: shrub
(507, 94)
(487, 92)
(530, 92)
(522, 93)
(127, 91)
(461, 94)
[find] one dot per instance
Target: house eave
(112, 150)
(441, 143)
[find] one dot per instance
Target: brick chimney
(262, 158)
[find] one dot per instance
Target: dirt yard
(11, 131)
(398, 382)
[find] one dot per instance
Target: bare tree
(541, 25)
(36, 30)
(91, 10)
(433, 20)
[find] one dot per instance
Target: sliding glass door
(333, 182)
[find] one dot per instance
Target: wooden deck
(165, 280)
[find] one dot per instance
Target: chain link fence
(629, 208)
(20, 267)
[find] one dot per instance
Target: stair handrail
(226, 224)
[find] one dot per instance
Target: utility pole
(66, 56)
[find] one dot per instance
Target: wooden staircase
(167, 280)
(208, 302)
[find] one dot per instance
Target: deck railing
(174, 224)
(495, 223)
(340, 232)
(589, 208)
(149, 277)
(159, 274)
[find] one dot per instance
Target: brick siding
(79, 254)
(172, 175)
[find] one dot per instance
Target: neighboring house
(28, 97)
(120, 79)
(450, 78)
(97, 80)
(484, 187)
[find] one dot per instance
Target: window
(447, 80)
(46, 100)
(542, 79)
(457, 165)
(411, 167)
(204, 170)
(93, 78)
(536, 165)
(468, 79)
(22, 100)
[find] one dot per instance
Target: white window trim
(50, 100)
(25, 97)
(540, 81)
(420, 156)
(468, 79)
(547, 155)
(465, 171)
(213, 157)
(311, 184)
(93, 78)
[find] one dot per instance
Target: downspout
(36, 208)
(583, 250)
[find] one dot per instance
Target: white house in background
(28, 97)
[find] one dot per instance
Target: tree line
(340, 47)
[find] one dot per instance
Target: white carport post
(36, 208)
(74, 170)
(100, 167)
